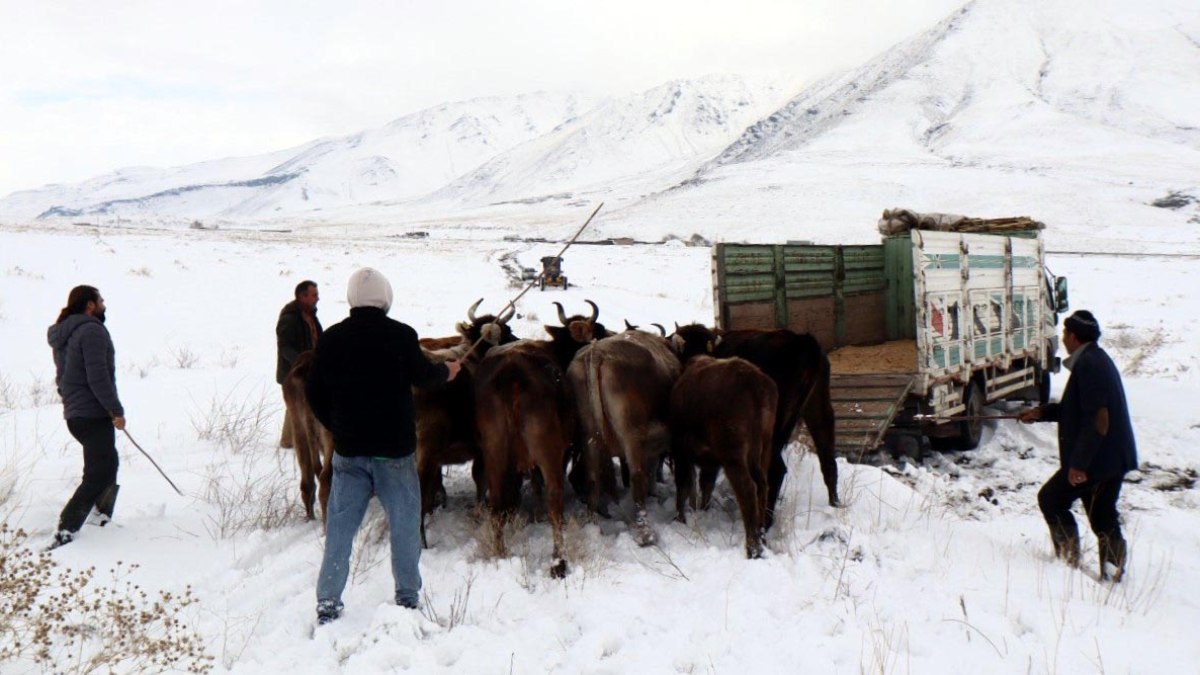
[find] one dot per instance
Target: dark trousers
(1099, 502)
(99, 439)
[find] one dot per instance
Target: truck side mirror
(1061, 304)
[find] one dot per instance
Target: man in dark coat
(85, 374)
(1096, 448)
(360, 388)
(296, 331)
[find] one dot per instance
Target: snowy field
(938, 568)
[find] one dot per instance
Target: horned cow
(622, 385)
(526, 420)
(446, 429)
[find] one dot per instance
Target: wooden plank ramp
(864, 405)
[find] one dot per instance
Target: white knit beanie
(368, 288)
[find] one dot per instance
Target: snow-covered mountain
(411, 156)
(1083, 114)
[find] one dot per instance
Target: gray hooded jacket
(86, 371)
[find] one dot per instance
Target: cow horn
(660, 328)
(595, 311)
(472, 308)
(676, 326)
(505, 316)
(629, 326)
(562, 316)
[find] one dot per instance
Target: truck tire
(1043, 385)
(971, 431)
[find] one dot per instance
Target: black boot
(1112, 557)
(105, 503)
(1066, 545)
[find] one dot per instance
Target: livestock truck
(922, 329)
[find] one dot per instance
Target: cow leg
(639, 478)
(747, 497)
(304, 459)
(554, 508)
(818, 417)
(685, 481)
(538, 481)
(325, 479)
(708, 479)
(479, 475)
(775, 474)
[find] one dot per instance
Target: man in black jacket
(360, 388)
(296, 331)
(1096, 448)
(85, 374)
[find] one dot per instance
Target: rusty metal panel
(866, 322)
(813, 315)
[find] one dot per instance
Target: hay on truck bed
(899, 221)
(894, 356)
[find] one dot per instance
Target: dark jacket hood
(58, 334)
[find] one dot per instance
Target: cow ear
(463, 328)
(716, 342)
(677, 343)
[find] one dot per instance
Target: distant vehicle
(922, 330)
(552, 273)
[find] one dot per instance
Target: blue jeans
(355, 479)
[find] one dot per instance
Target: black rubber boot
(1112, 558)
(106, 502)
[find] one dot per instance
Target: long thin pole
(156, 466)
(965, 418)
(513, 302)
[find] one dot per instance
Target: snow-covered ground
(938, 568)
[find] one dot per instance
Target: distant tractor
(552, 273)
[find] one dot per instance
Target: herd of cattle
(702, 398)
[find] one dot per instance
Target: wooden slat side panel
(814, 316)
(866, 322)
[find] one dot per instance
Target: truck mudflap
(864, 406)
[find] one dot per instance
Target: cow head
(577, 328)
(491, 329)
(694, 339)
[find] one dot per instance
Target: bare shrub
(233, 422)
(248, 497)
(9, 398)
(41, 392)
(456, 612)
(62, 621)
(141, 272)
(184, 357)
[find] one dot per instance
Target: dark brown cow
(446, 415)
(526, 419)
(313, 443)
(723, 416)
(622, 386)
(800, 370)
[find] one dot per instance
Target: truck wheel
(971, 431)
(1043, 385)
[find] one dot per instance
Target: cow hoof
(559, 569)
(836, 503)
(647, 537)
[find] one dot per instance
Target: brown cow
(723, 416)
(622, 386)
(446, 415)
(313, 443)
(526, 420)
(800, 369)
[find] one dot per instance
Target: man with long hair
(87, 382)
(296, 331)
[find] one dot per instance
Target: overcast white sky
(88, 87)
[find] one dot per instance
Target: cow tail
(596, 401)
